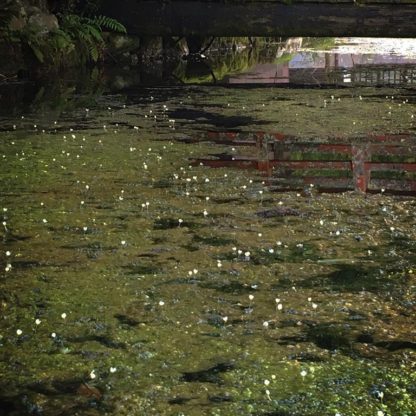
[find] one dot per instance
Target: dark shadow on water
(215, 241)
(348, 278)
(66, 397)
(214, 119)
(137, 268)
(170, 223)
(209, 375)
(234, 287)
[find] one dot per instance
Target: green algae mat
(135, 284)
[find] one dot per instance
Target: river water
(176, 249)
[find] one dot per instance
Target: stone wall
(35, 14)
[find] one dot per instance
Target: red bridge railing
(371, 164)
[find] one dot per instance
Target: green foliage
(109, 23)
(78, 40)
(48, 48)
(8, 10)
(86, 33)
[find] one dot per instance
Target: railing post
(361, 153)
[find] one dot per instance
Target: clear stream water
(135, 282)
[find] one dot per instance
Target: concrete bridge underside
(374, 18)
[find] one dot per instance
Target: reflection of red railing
(369, 164)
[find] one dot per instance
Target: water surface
(136, 282)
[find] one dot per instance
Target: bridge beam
(375, 18)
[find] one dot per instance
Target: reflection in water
(297, 61)
(344, 62)
(378, 163)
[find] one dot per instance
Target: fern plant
(105, 22)
(79, 39)
(86, 33)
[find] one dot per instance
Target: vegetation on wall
(72, 37)
(8, 9)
